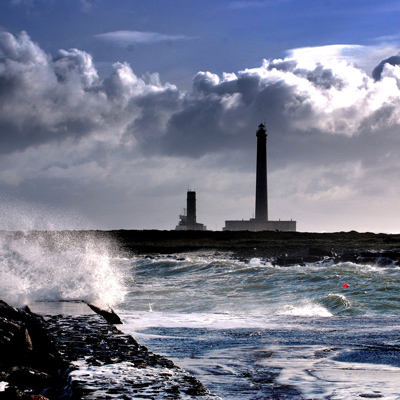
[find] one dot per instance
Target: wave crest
(51, 266)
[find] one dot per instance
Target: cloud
(347, 52)
(112, 148)
(45, 99)
(125, 38)
(386, 39)
(299, 97)
(378, 70)
(312, 92)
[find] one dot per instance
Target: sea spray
(51, 266)
(19, 215)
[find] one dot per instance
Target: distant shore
(281, 246)
(266, 245)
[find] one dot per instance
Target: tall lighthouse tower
(260, 222)
(261, 176)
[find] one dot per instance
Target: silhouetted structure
(187, 221)
(261, 175)
(260, 222)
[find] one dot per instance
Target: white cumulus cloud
(112, 148)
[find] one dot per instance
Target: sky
(111, 110)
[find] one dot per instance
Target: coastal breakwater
(77, 354)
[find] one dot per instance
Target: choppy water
(247, 330)
(258, 331)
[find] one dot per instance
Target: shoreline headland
(265, 244)
(278, 247)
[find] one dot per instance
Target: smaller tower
(188, 222)
(191, 209)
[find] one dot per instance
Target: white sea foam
(306, 310)
(322, 378)
(143, 320)
(124, 380)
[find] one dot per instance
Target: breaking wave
(50, 266)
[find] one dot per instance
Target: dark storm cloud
(377, 72)
(293, 99)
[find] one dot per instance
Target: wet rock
(109, 315)
(286, 261)
(96, 349)
(320, 252)
(15, 340)
(349, 257)
(196, 387)
(28, 362)
(13, 393)
(311, 259)
(29, 377)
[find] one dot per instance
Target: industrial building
(260, 222)
(187, 221)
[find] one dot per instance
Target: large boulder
(28, 362)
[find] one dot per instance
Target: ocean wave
(306, 310)
(52, 266)
(336, 302)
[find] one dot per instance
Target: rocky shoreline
(69, 357)
(29, 363)
(282, 248)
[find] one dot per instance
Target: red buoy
(345, 285)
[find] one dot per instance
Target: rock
(13, 393)
(348, 257)
(12, 313)
(317, 251)
(28, 359)
(109, 315)
(15, 341)
(311, 259)
(283, 261)
(29, 377)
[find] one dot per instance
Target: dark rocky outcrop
(29, 362)
(49, 358)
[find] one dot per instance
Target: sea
(247, 329)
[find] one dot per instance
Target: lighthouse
(260, 221)
(261, 176)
